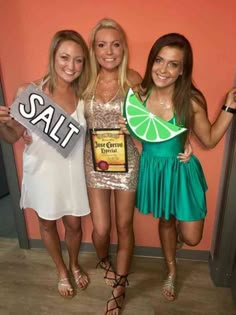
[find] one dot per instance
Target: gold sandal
(168, 288)
(81, 279)
(65, 288)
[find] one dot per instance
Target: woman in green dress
(170, 190)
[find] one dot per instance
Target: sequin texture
(106, 115)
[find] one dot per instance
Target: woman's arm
(210, 134)
(134, 78)
(186, 155)
(10, 129)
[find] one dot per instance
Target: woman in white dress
(52, 185)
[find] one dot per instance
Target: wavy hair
(185, 91)
(123, 82)
(80, 83)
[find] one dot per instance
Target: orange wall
(28, 26)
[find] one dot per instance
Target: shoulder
(21, 89)
(134, 77)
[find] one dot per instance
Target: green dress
(167, 187)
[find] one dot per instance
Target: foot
(109, 273)
(168, 288)
(65, 288)
(115, 303)
(81, 279)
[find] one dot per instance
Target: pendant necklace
(164, 104)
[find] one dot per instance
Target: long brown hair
(80, 83)
(185, 91)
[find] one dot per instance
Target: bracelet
(229, 109)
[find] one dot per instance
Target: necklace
(107, 98)
(164, 105)
(107, 92)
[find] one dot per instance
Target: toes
(169, 295)
(65, 288)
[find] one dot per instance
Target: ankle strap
(171, 262)
(103, 261)
(119, 282)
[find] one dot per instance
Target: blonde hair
(79, 84)
(123, 82)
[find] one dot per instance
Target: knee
(74, 228)
(192, 240)
(47, 226)
(124, 228)
(101, 232)
(167, 224)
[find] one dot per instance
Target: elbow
(9, 140)
(210, 145)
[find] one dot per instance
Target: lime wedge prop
(144, 125)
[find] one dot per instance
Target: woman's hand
(10, 129)
(188, 151)
(122, 123)
(231, 98)
(4, 115)
(27, 138)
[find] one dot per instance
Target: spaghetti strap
(43, 81)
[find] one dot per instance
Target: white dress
(52, 185)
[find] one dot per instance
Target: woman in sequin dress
(110, 79)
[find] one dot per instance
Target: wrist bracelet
(229, 109)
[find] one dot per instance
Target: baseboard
(138, 250)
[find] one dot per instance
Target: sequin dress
(106, 115)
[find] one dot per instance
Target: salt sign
(38, 113)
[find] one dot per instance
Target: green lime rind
(144, 125)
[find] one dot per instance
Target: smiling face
(167, 67)
(109, 49)
(69, 60)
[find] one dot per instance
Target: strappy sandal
(81, 279)
(105, 264)
(168, 288)
(122, 282)
(65, 286)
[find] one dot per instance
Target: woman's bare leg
(191, 232)
(167, 233)
(73, 237)
(51, 240)
(99, 200)
(124, 206)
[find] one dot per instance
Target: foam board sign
(38, 113)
